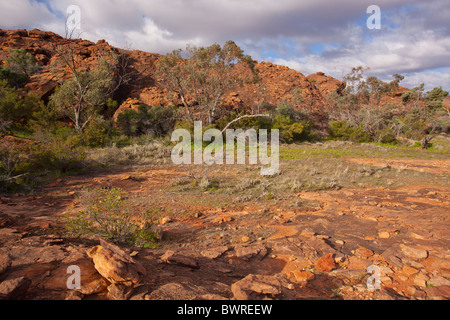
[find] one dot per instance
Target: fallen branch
(373, 171)
(17, 177)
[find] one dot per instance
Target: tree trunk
(426, 142)
(183, 100)
(77, 120)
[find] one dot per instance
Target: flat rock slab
(29, 255)
(5, 262)
(176, 291)
(14, 288)
(414, 253)
(171, 257)
(249, 252)
(256, 287)
(214, 253)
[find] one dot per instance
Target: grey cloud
(415, 35)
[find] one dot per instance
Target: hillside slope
(278, 82)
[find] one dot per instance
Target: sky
(413, 38)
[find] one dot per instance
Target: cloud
(307, 35)
(22, 14)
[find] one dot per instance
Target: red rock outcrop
(278, 83)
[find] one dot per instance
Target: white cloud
(21, 14)
(431, 78)
(415, 35)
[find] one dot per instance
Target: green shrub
(290, 131)
(60, 156)
(256, 123)
(128, 122)
(187, 125)
(13, 78)
(32, 161)
(106, 213)
(340, 130)
(157, 121)
(435, 97)
(14, 158)
(294, 125)
(359, 135)
(96, 133)
(14, 106)
(22, 62)
(387, 136)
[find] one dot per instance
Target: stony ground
(320, 248)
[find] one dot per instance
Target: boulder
(363, 252)
(116, 265)
(175, 291)
(91, 281)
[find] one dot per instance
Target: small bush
(31, 160)
(387, 136)
(59, 156)
(95, 134)
(109, 215)
(359, 135)
(294, 125)
(340, 130)
(157, 121)
(13, 78)
(14, 106)
(13, 158)
(22, 62)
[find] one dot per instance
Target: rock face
(129, 104)
(326, 84)
(115, 264)
(278, 82)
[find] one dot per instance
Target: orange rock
(355, 263)
(409, 270)
(302, 276)
(326, 263)
(433, 264)
(223, 219)
(245, 239)
(364, 252)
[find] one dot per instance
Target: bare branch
(244, 117)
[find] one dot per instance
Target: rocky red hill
(278, 82)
